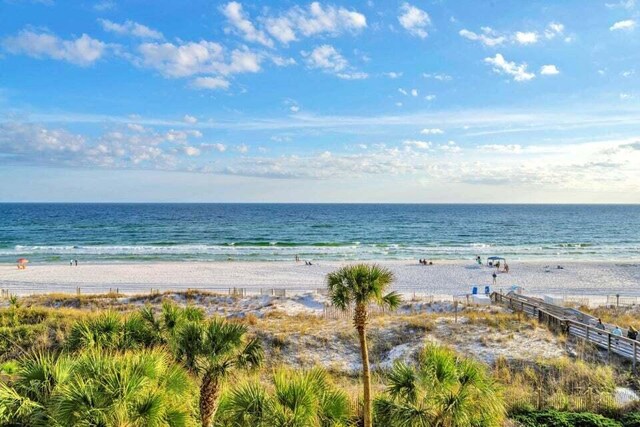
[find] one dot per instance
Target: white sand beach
(444, 278)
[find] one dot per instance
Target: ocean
(215, 232)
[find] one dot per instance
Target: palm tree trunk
(209, 393)
(360, 321)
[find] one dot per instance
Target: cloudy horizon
(429, 101)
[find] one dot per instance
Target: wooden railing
(554, 317)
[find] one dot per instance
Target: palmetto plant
(141, 388)
(212, 350)
(358, 286)
(442, 391)
(295, 399)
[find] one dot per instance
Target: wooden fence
(555, 318)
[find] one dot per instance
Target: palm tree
(26, 401)
(359, 286)
(212, 350)
(98, 388)
(297, 399)
(442, 391)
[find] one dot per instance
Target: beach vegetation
(358, 286)
(292, 398)
(443, 389)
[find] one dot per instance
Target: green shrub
(563, 419)
(631, 420)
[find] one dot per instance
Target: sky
(437, 101)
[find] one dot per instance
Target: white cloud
(242, 148)
(356, 75)
(294, 108)
(553, 29)
(135, 127)
(517, 71)
(430, 97)
(189, 119)
(628, 73)
(220, 147)
(212, 83)
(329, 19)
(440, 77)
(488, 37)
(450, 147)
(624, 4)
(416, 143)
(191, 151)
(236, 17)
(529, 37)
(501, 148)
(414, 92)
(624, 96)
(328, 59)
(203, 57)
(104, 5)
(402, 91)
(549, 70)
(626, 25)
(393, 74)
(414, 20)
(82, 51)
(315, 20)
(432, 131)
(491, 38)
(131, 28)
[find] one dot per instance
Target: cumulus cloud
(626, 25)
(191, 58)
(528, 37)
(502, 66)
(416, 143)
(328, 59)
(82, 51)
(242, 24)
(553, 29)
(211, 83)
(492, 38)
(316, 20)
(488, 37)
(393, 74)
(189, 119)
(131, 28)
(432, 131)
(414, 20)
(549, 70)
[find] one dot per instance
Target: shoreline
(451, 277)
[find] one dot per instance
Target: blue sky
(422, 101)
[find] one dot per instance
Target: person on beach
(617, 331)
(506, 267)
(75, 261)
(495, 278)
(600, 325)
(479, 260)
(632, 333)
(70, 263)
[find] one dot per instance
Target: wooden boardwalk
(571, 322)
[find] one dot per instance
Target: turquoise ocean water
(203, 232)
